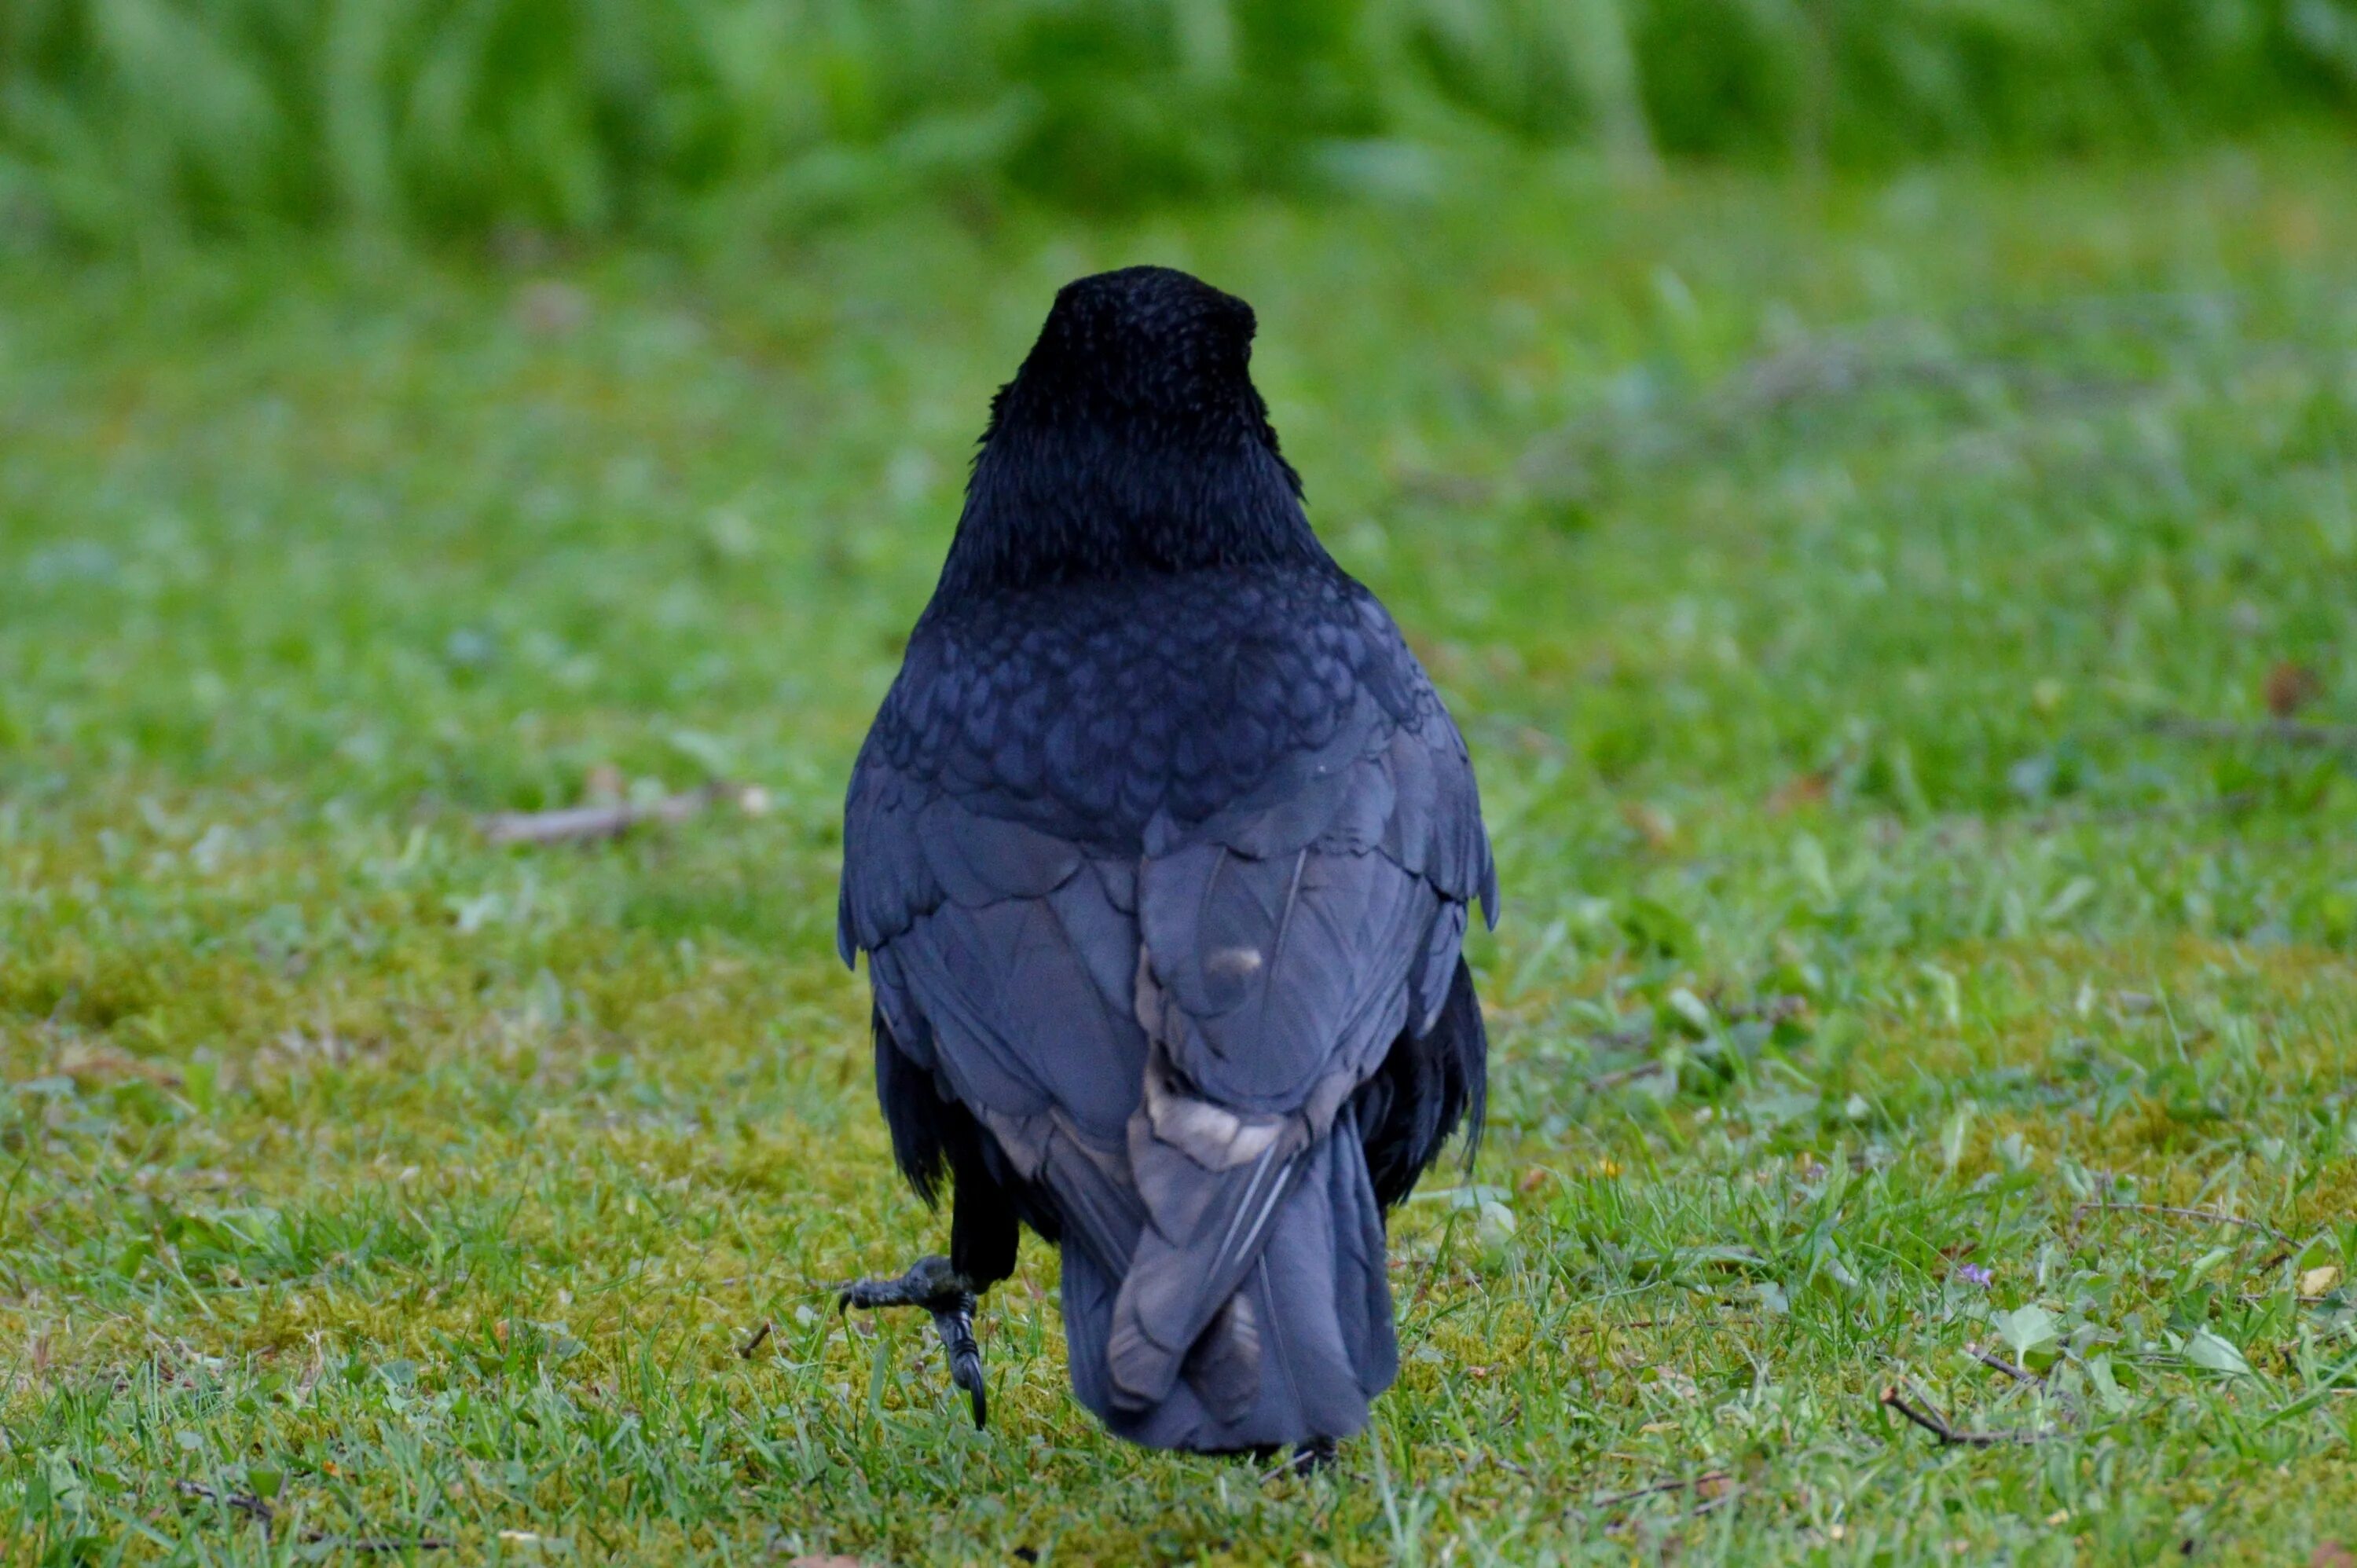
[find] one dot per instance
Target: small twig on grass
(760, 1335)
(581, 824)
(243, 1502)
(2174, 1211)
(2284, 732)
(1938, 1427)
(2018, 1373)
(263, 1514)
(2041, 1382)
(1483, 1456)
(1721, 1499)
(1626, 1075)
(1709, 1478)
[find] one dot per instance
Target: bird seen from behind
(1161, 851)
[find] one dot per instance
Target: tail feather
(1223, 1365)
(1297, 1353)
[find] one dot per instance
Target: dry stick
(2176, 1212)
(243, 1502)
(1620, 1076)
(579, 824)
(2023, 1375)
(1723, 1500)
(1616, 1498)
(2018, 1374)
(745, 1349)
(1892, 1399)
(261, 1510)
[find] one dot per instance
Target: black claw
(944, 1293)
(954, 1323)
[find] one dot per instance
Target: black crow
(1161, 851)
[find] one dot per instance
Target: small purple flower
(1973, 1274)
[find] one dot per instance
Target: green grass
(1808, 565)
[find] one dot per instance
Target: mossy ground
(1808, 567)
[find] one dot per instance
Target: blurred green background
(1877, 483)
(123, 120)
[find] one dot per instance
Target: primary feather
(1161, 849)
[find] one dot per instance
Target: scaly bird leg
(941, 1291)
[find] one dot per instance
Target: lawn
(1907, 634)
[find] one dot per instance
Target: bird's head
(1149, 348)
(1132, 439)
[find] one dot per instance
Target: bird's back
(1092, 707)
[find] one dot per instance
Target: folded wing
(1167, 1042)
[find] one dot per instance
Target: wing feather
(1167, 1039)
